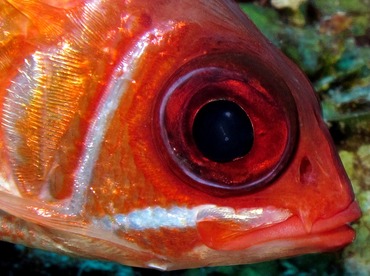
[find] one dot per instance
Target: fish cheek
(117, 186)
(160, 179)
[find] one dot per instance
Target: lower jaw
(265, 251)
(298, 243)
(325, 235)
(316, 242)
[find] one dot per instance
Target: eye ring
(227, 78)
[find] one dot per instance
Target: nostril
(306, 171)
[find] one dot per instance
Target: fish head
(186, 139)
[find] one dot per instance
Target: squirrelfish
(163, 134)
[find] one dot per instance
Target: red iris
(225, 124)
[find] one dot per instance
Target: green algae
(357, 256)
(266, 20)
(353, 6)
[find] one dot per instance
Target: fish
(161, 134)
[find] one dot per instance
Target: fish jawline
(292, 230)
(283, 240)
(271, 250)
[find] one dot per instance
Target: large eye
(226, 124)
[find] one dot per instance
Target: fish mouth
(288, 230)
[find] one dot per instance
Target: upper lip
(350, 214)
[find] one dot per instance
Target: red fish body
(163, 134)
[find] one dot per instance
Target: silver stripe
(156, 217)
(182, 217)
(152, 218)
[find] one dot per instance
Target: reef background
(330, 41)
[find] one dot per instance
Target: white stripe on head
(119, 83)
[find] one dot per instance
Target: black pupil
(222, 131)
